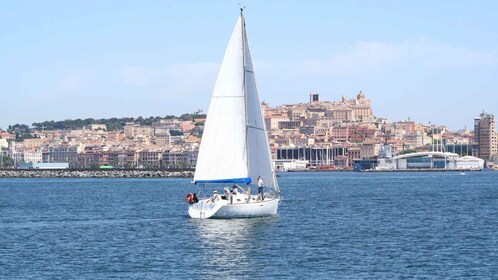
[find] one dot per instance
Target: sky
(427, 61)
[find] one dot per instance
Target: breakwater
(37, 173)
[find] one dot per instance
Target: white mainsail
(234, 147)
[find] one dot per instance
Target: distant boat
(234, 148)
(462, 173)
(326, 168)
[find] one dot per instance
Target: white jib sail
(260, 162)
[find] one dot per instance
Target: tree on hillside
(6, 162)
(22, 131)
(111, 123)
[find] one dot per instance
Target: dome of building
(360, 95)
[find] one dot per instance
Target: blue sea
(331, 225)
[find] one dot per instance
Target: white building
(431, 160)
(33, 156)
(3, 143)
(469, 162)
(290, 164)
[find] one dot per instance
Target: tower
(485, 136)
(314, 98)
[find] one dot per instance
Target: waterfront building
(485, 136)
(290, 164)
(92, 159)
(315, 156)
(63, 153)
(461, 149)
(35, 156)
(469, 162)
(123, 158)
(354, 153)
(16, 155)
(422, 161)
(150, 159)
(180, 159)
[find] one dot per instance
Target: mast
(244, 40)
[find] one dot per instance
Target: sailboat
(234, 153)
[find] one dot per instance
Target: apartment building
(485, 136)
(62, 153)
(150, 159)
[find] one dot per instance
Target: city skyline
(430, 62)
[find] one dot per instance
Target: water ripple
(330, 226)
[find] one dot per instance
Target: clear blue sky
(428, 60)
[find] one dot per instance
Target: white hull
(223, 209)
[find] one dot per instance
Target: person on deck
(226, 194)
(233, 193)
(260, 188)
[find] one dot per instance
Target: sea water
(331, 225)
